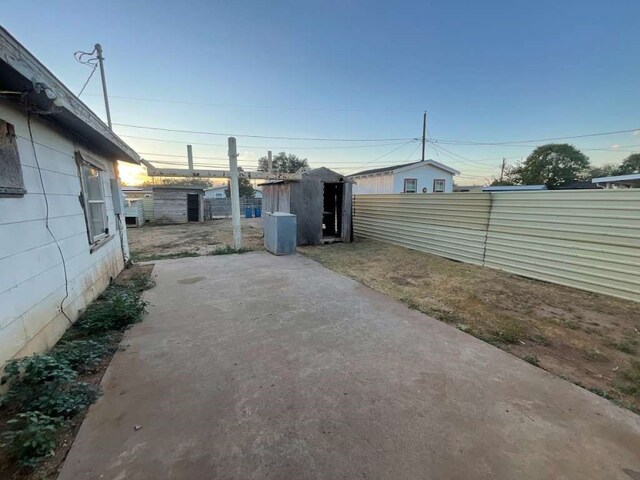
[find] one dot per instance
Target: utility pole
(269, 162)
(504, 163)
(190, 156)
(424, 132)
(104, 84)
(235, 194)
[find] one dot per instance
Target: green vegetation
(227, 250)
(44, 390)
(532, 359)
(163, 256)
(629, 381)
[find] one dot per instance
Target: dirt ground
(589, 339)
(155, 242)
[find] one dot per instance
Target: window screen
(93, 195)
(11, 182)
(438, 185)
(410, 185)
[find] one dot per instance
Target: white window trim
(444, 185)
(415, 180)
(86, 160)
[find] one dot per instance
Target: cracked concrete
(275, 367)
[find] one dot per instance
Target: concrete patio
(254, 366)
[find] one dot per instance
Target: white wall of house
(390, 182)
(215, 192)
(425, 174)
(32, 279)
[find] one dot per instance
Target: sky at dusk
(485, 72)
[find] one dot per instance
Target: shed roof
(178, 187)
(632, 177)
(322, 173)
(394, 168)
(21, 72)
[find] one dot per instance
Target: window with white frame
(93, 195)
(410, 185)
(439, 185)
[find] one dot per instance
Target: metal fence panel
(587, 239)
(450, 225)
(221, 207)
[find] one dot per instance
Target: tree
(552, 165)
(605, 170)
(182, 182)
(283, 163)
(629, 165)
(244, 187)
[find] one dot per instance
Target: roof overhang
(632, 178)
(21, 72)
(433, 163)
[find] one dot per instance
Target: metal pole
(269, 162)
(235, 194)
(424, 131)
(190, 156)
(104, 84)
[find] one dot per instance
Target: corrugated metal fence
(586, 239)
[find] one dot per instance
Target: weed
(84, 356)
(118, 308)
(227, 250)
(594, 355)
(163, 256)
(628, 345)
(31, 437)
(141, 282)
(600, 393)
(507, 332)
(42, 383)
(629, 379)
(532, 359)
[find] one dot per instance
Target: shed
(176, 204)
(144, 193)
(321, 200)
(134, 212)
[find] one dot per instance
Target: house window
(93, 196)
(11, 182)
(410, 185)
(438, 185)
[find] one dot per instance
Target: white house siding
(32, 284)
(378, 183)
(390, 182)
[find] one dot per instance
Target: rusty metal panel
(587, 239)
(451, 225)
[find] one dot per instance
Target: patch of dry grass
(587, 338)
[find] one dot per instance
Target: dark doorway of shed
(193, 207)
(332, 215)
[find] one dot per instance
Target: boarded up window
(11, 182)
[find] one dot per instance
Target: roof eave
(21, 71)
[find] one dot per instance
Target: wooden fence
(587, 239)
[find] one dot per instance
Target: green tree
(552, 165)
(605, 170)
(244, 186)
(630, 165)
(283, 163)
(181, 182)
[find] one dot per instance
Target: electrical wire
(382, 156)
(315, 139)
(87, 82)
(268, 107)
(91, 62)
(467, 142)
(46, 222)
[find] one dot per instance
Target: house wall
(170, 206)
(32, 279)
(394, 183)
(425, 174)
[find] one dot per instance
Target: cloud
(615, 145)
(636, 133)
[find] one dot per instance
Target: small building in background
(178, 204)
(424, 176)
(618, 181)
(215, 192)
(321, 201)
(143, 193)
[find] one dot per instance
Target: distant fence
(221, 207)
(584, 239)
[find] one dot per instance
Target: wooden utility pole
(98, 48)
(235, 193)
(424, 132)
(190, 156)
(504, 163)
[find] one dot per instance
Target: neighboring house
(618, 181)
(426, 176)
(215, 192)
(219, 192)
(178, 204)
(62, 238)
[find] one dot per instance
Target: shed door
(193, 207)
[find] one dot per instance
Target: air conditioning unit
(280, 233)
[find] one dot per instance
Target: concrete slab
(254, 366)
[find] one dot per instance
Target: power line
(265, 136)
(468, 142)
(384, 155)
(261, 107)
